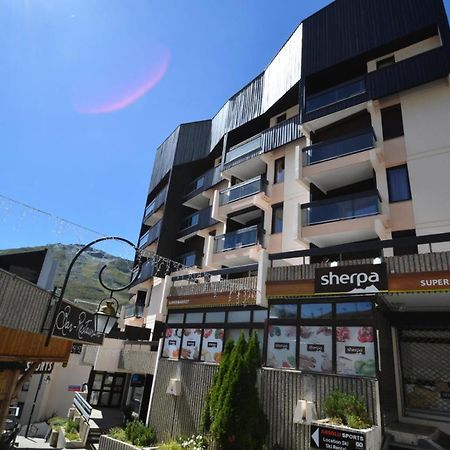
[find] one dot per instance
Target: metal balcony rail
(242, 190)
(204, 181)
(336, 148)
(237, 239)
(244, 148)
(341, 208)
(150, 236)
(156, 203)
(336, 94)
(134, 311)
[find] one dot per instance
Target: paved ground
(33, 443)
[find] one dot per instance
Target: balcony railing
(197, 221)
(156, 203)
(237, 239)
(335, 94)
(251, 145)
(341, 208)
(150, 236)
(336, 148)
(134, 311)
(204, 182)
(242, 190)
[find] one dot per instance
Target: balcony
(195, 222)
(248, 148)
(340, 220)
(196, 196)
(134, 311)
(150, 236)
(339, 162)
(153, 211)
(238, 247)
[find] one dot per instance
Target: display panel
(281, 346)
(355, 351)
(190, 347)
(212, 345)
(316, 349)
(172, 343)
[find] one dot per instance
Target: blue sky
(90, 88)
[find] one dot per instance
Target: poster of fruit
(190, 347)
(355, 350)
(316, 349)
(281, 346)
(212, 345)
(172, 343)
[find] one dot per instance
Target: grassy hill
(83, 283)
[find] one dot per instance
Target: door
(106, 389)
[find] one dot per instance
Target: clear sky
(90, 88)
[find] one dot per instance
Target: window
(392, 121)
(398, 184)
(279, 171)
(385, 62)
(281, 346)
(283, 311)
(277, 219)
(281, 118)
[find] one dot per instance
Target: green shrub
(346, 409)
(137, 433)
(71, 427)
(72, 436)
(172, 445)
(118, 433)
(56, 423)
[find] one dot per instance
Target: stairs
(401, 436)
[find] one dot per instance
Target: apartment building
(313, 208)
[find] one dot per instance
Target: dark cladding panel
(164, 158)
(193, 142)
(348, 28)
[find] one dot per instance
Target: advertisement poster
(316, 349)
(172, 343)
(355, 351)
(190, 347)
(212, 344)
(281, 346)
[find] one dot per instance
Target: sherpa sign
(351, 279)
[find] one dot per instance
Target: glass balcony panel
(242, 190)
(348, 208)
(243, 149)
(150, 208)
(237, 239)
(325, 151)
(190, 221)
(151, 235)
(335, 95)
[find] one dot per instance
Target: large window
(106, 389)
(277, 219)
(279, 171)
(392, 122)
(323, 337)
(398, 184)
(199, 336)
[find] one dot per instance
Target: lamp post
(106, 314)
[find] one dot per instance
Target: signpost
(327, 438)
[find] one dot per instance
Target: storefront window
(281, 346)
(259, 315)
(283, 312)
(215, 317)
(194, 318)
(316, 349)
(317, 311)
(239, 316)
(234, 334)
(212, 345)
(190, 347)
(355, 351)
(353, 310)
(175, 318)
(172, 343)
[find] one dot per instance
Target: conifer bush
(232, 413)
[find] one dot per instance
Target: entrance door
(106, 389)
(425, 363)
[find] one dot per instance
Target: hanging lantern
(106, 316)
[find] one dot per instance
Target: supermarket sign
(362, 279)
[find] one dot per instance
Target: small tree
(232, 412)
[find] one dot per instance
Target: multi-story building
(313, 208)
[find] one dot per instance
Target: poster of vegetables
(281, 346)
(316, 349)
(172, 343)
(355, 351)
(190, 347)
(212, 345)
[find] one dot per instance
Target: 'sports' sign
(327, 438)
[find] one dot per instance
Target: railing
(336, 148)
(335, 94)
(341, 208)
(197, 221)
(281, 134)
(251, 145)
(242, 190)
(204, 181)
(215, 287)
(151, 235)
(156, 203)
(84, 408)
(237, 239)
(134, 311)
(189, 259)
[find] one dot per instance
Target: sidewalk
(32, 443)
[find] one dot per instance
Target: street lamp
(106, 314)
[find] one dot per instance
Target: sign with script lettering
(75, 323)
